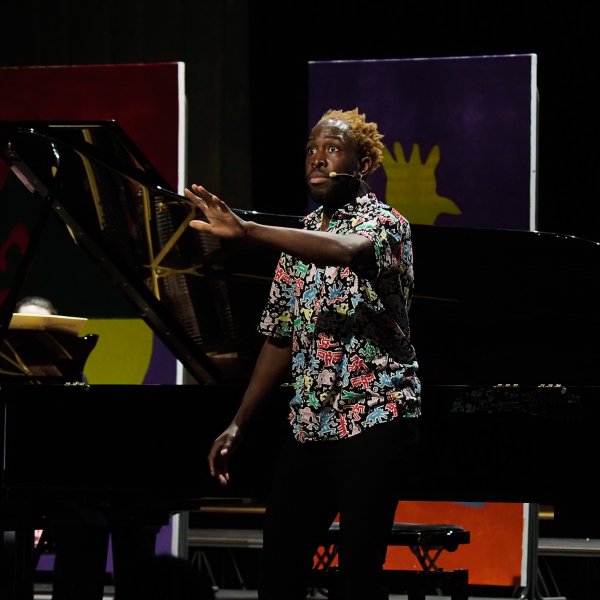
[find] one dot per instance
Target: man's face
(330, 148)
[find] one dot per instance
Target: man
(35, 305)
(338, 315)
(80, 532)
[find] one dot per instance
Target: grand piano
(505, 324)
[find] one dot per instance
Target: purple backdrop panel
(460, 133)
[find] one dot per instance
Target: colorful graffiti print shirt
(353, 364)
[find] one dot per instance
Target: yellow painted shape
(123, 352)
(411, 186)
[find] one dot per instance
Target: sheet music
(72, 325)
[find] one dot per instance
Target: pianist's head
(35, 305)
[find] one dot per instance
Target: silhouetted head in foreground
(167, 577)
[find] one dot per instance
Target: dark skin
(329, 148)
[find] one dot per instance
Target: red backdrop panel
(143, 98)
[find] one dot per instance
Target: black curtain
(209, 37)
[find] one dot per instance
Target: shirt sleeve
(389, 232)
(277, 316)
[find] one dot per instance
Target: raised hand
(221, 221)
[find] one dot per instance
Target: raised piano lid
(202, 296)
(490, 306)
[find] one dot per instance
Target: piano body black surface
(504, 322)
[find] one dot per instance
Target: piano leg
(16, 565)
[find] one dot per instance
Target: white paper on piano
(72, 325)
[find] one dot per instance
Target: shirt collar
(356, 206)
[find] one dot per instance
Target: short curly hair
(365, 135)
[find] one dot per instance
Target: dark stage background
(246, 77)
(247, 74)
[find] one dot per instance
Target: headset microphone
(362, 184)
(333, 174)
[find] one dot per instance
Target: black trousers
(81, 539)
(361, 479)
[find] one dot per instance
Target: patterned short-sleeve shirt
(353, 363)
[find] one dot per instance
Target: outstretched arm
(319, 247)
(271, 366)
